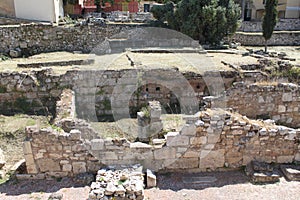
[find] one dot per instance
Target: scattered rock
(55, 196)
(127, 183)
(151, 179)
(15, 53)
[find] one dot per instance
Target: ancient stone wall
(95, 91)
(278, 102)
(37, 38)
(211, 140)
(282, 25)
(28, 93)
(284, 38)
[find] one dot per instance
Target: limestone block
(79, 167)
(27, 147)
(151, 179)
(287, 97)
(67, 168)
(48, 165)
(182, 163)
(178, 141)
(140, 145)
(164, 153)
(213, 138)
(97, 144)
(189, 129)
(285, 159)
(281, 108)
(212, 159)
(75, 134)
(110, 156)
(198, 140)
(192, 154)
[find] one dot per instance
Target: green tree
(269, 20)
(208, 21)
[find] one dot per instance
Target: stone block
(27, 147)
(188, 129)
(178, 141)
(140, 145)
(287, 97)
(151, 179)
(110, 156)
(171, 135)
(198, 140)
(212, 159)
(281, 109)
(75, 134)
(213, 138)
(67, 168)
(182, 163)
(191, 154)
(165, 153)
(97, 144)
(48, 165)
(285, 159)
(79, 167)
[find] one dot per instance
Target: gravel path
(233, 185)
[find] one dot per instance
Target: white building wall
(41, 10)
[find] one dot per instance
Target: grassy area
(12, 134)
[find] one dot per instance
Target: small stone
(151, 179)
(55, 196)
(263, 131)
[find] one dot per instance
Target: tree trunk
(266, 46)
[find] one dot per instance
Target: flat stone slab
(262, 173)
(291, 172)
(199, 179)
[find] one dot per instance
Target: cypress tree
(269, 20)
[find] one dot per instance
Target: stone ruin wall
(280, 38)
(38, 38)
(37, 92)
(210, 140)
(280, 103)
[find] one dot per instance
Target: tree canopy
(208, 21)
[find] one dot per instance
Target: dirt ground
(227, 185)
(233, 185)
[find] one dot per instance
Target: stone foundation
(210, 140)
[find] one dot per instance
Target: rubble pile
(122, 184)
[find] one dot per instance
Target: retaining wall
(278, 102)
(279, 38)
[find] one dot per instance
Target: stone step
(291, 172)
(259, 172)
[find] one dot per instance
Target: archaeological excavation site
(121, 105)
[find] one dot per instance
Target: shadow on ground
(201, 180)
(174, 181)
(14, 187)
